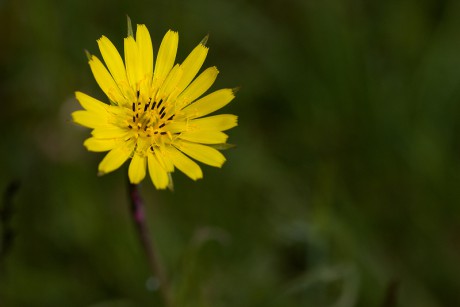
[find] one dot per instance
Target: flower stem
(138, 214)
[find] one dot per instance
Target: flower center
(149, 118)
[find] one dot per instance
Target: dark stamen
(159, 103)
(162, 115)
(162, 109)
(162, 125)
(171, 117)
(162, 133)
(146, 106)
(137, 94)
(134, 119)
(130, 127)
(134, 106)
(156, 132)
(153, 105)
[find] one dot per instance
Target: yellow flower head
(156, 116)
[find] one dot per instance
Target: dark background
(343, 190)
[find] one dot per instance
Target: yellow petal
(192, 65)
(99, 145)
(202, 153)
(209, 103)
(115, 158)
(198, 87)
(177, 126)
(113, 60)
(136, 171)
(184, 163)
(89, 119)
(105, 81)
(144, 45)
(166, 56)
(205, 137)
(120, 113)
(170, 84)
(220, 122)
(133, 70)
(163, 159)
(109, 132)
(157, 173)
(91, 104)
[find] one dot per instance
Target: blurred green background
(343, 190)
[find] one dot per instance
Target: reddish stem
(138, 214)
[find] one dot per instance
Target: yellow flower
(156, 116)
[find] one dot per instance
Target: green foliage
(342, 189)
